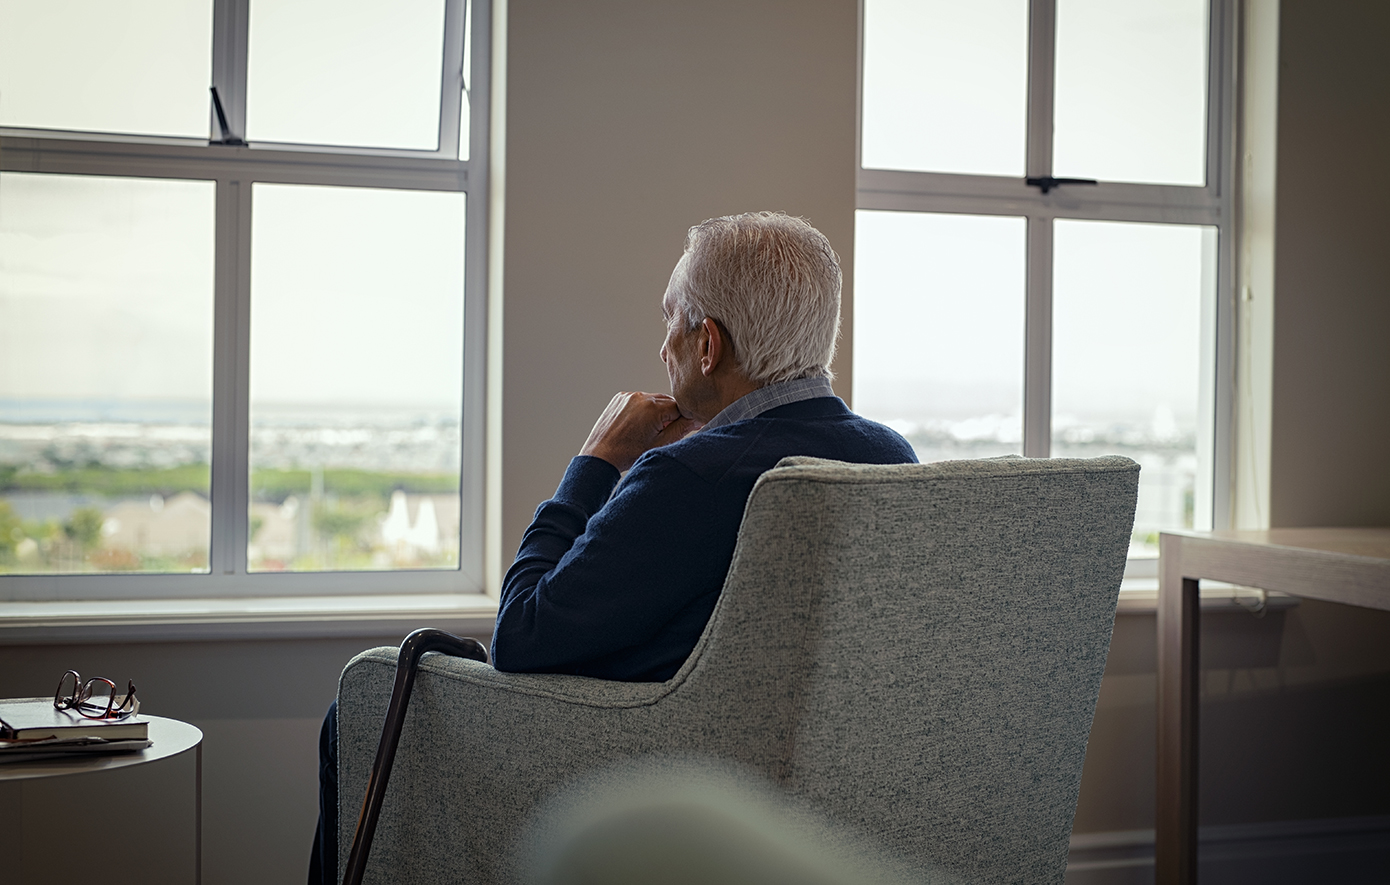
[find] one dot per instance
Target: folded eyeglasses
(96, 698)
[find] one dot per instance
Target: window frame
(1212, 204)
(235, 168)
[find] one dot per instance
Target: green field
(345, 502)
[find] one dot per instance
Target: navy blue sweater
(619, 585)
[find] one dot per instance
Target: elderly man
(616, 579)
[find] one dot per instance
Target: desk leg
(1175, 848)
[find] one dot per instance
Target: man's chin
(687, 414)
(684, 409)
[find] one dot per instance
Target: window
(241, 327)
(1043, 242)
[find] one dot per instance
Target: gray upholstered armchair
(914, 651)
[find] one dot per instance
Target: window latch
(1048, 183)
(227, 136)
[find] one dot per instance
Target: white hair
(773, 283)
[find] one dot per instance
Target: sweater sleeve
(595, 576)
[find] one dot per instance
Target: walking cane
(407, 662)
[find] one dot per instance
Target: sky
(106, 285)
(945, 88)
(354, 72)
(106, 291)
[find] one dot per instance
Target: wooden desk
(1346, 565)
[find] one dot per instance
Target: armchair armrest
(473, 731)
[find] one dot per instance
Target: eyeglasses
(96, 698)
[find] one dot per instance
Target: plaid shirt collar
(770, 397)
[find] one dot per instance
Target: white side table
(128, 817)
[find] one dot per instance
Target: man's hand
(634, 423)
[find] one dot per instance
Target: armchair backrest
(914, 651)
(921, 648)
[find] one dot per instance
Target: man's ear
(712, 347)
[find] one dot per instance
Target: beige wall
(627, 122)
(1330, 427)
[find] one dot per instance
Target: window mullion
(223, 378)
(1042, 46)
(230, 26)
(240, 502)
(1037, 360)
(1222, 156)
(1037, 350)
(475, 570)
(1217, 140)
(227, 555)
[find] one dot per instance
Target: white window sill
(290, 617)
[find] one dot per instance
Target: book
(25, 751)
(30, 720)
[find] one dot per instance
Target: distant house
(420, 525)
(277, 533)
(414, 528)
(159, 527)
